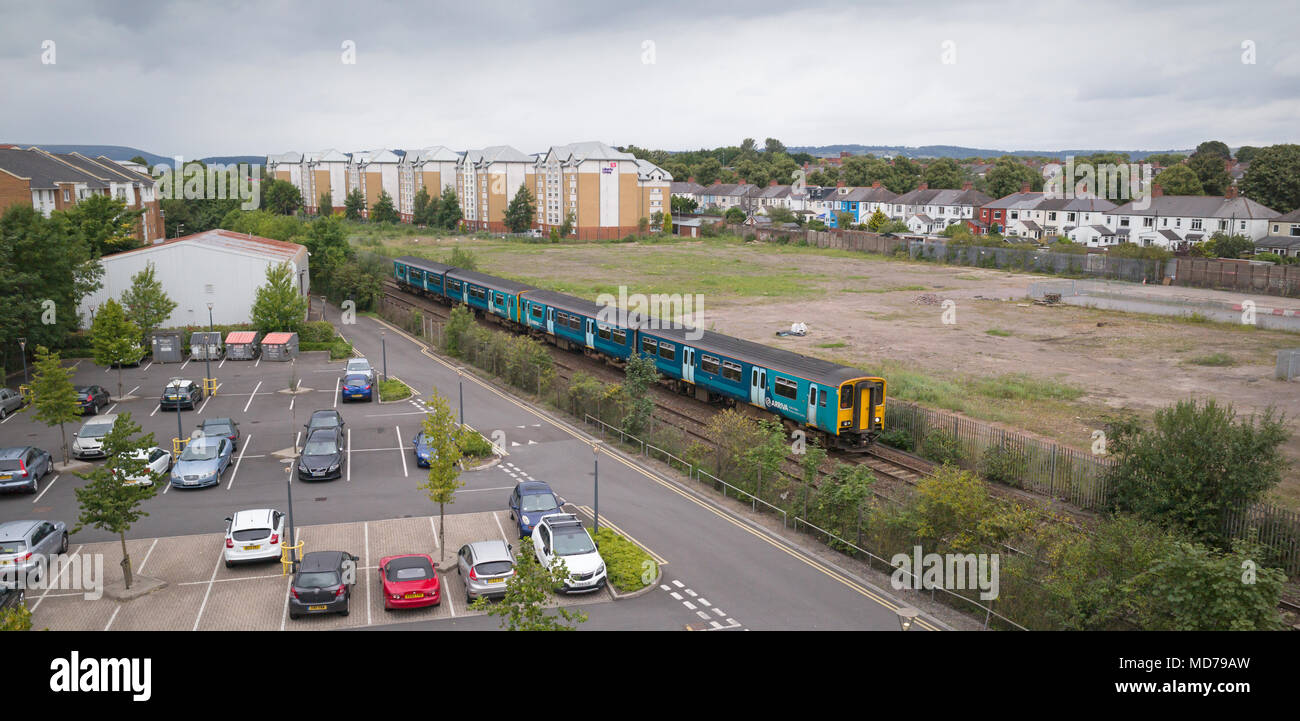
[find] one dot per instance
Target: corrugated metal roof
(218, 238)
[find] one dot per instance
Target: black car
(222, 427)
(181, 393)
(324, 419)
(91, 398)
(322, 455)
(322, 583)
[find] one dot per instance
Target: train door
(688, 364)
(591, 331)
(868, 395)
(464, 293)
(550, 321)
(758, 387)
(812, 403)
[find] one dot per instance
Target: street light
(22, 347)
(460, 380)
(907, 617)
(595, 472)
(383, 345)
(288, 484)
(207, 352)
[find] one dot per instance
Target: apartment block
(432, 168)
(486, 181)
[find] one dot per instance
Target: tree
(769, 452)
(1273, 177)
(145, 302)
(1193, 588)
(1008, 175)
(278, 305)
(54, 398)
(944, 173)
(281, 196)
(106, 224)
(424, 209)
(863, 170)
(1221, 245)
(772, 146)
(521, 211)
(528, 593)
(46, 268)
(440, 433)
(1214, 147)
(667, 226)
(1166, 160)
(384, 212)
(354, 205)
(1246, 153)
(1196, 461)
(139, 160)
(680, 205)
(115, 339)
(1180, 180)
(640, 375)
(1209, 163)
(326, 208)
(566, 228)
(458, 323)
(734, 215)
(329, 249)
(877, 221)
(449, 213)
(844, 220)
(106, 502)
(780, 215)
(707, 171)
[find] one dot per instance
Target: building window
(1196, 223)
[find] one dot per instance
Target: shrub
(899, 438)
(316, 331)
(393, 390)
(472, 443)
(942, 447)
(628, 567)
(1003, 465)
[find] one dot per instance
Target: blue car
(423, 451)
(357, 386)
(529, 502)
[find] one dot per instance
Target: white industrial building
(217, 266)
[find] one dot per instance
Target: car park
(157, 461)
(90, 399)
(12, 598)
(322, 583)
(135, 357)
(409, 581)
(26, 546)
(359, 366)
(22, 468)
(423, 451)
(180, 393)
(223, 428)
(324, 419)
(254, 535)
(485, 567)
(201, 463)
(562, 537)
(357, 386)
(10, 401)
(89, 441)
(529, 501)
(322, 455)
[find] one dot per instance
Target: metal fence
(1288, 364)
(1038, 261)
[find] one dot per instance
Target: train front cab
(862, 411)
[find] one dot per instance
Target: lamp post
(207, 351)
(383, 345)
(595, 472)
(460, 381)
(907, 617)
(288, 484)
(22, 348)
(322, 307)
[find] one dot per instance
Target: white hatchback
(158, 463)
(255, 535)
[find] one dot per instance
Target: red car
(409, 581)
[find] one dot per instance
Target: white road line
(676, 596)
(703, 601)
(149, 366)
(480, 490)
(242, 447)
(401, 453)
(689, 606)
(220, 557)
(288, 586)
(715, 624)
(291, 400)
(155, 409)
(133, 390)
(147, 554)
(251, 396)
(719, 611)
(450, 603)
(500, 528)
(434, 526)
(366, 527)
(349, 478)
(691, 593)
(702, 615)
(167, 487)
(111, 618)
(55, 581)
(665, 587)
(336, 392)
(228, 580)
(48, 486)
(223, 362)
(187, 362)
(678, 584)
(112, 408)
(8, 418)
(259, 361)
(204, 404)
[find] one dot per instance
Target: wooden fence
(1238, 275)
(861, 241)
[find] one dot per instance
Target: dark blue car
(529, 502)
(357, 386)
(423, 451)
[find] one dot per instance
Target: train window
(620, 337)
(603, 332)
(649, 345)
(562, 318)
(787, 388)
(822, 402)
(453, 286)
(575, 322)
(477, 292)
(708, 364)
(536, 312)
(846, 397)
(731, 371)
(668, 351)
(501, 299)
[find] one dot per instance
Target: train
(839, 403)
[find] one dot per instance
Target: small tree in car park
(107, 501)
(54, 398)
(145, 302)
(528, 592)
(278, 305)
(441, 432)
(115, 339)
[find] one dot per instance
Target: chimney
(875, 184)
(1024, 187)
(1230, 193)
(965, 186)
(839, 183)
(691, 179)
(771, 183)
(1156, 190)
(742, 181)
(923, 186)
(844, 153)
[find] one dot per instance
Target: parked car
(357, 386)
(91, 398)
(529, 501)
(136, 357)
(25, 544)
(361, 366)
(409, 581)
(423, 451)
(181, 393)
(10, 401)
(254, 536)
(89, 441)
(201, 463)
(486, 567)
(223, 428)
(158, 463)
(322, 456)
(561, 536)
(23, 467)
(322, 583)
(324, 419)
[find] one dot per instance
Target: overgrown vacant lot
(1060, 372)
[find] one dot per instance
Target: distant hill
(958, 152)
(122, 152)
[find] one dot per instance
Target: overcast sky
(226, 78)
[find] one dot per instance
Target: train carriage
(492, 295)
(579, 323)
(420, 275)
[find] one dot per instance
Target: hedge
(625, 562)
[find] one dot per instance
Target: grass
(628, 567)
(1214, 359)
(836, 344)
(998, 332)
(888, 289)
(1024, 387)
(393, 390)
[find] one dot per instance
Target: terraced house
(930, 211)
(1177, 222)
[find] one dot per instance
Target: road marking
(690, 606)
(149, 366)
(715, 624)
(133, 390)
(242, 447)
(691, 593)
(187, 362)
(47, 488)
(112, 408)
(155, 409)
(220, 557)
(676, 596)
(259, 361)
(251, 396)
(111, 618)
(204, 404)
(288, 586)
(366, 528)
(703, 601)
(450, 603)
(480, 490)
(349, 478)
(500, 528)
(679, 584)
(55, 581)
(147, 554)
(223, 362)
(719, 611)
(434, 526)
(402, 453)
(336, 392)
(702, 615)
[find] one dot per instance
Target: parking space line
(223, 362)
(349, 478)
(434, 526)
(366, 528)
(259, 362)
(155, 409)
(480, 490)
(112, 618)
(47, 488)
(112, 408)
(147, 554)
(401, 452)
(501, 528)
(199, 617)
(227, 580)
(55, 581)
(288, 586)
(242, 447)
(149, 366)
(133, 390)
(450, 603)
(251, 396)
(204, 404)
(336, 392)
(8, 418)
(187, 362)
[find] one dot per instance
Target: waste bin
(280, 346)
(205, 345)
(243, 345)
(167, 347)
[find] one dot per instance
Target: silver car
(485, 567)
(27, 546)
(10, 401)
(359, 365)
(201, 463)
(89, 441)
